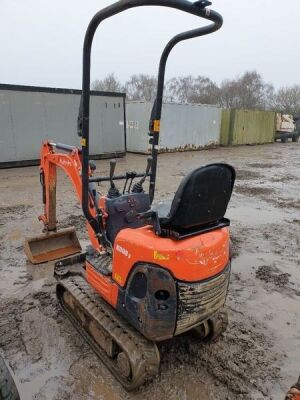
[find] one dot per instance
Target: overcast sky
(41, 42)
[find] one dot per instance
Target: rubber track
(142, 353)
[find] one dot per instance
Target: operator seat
(200, 203)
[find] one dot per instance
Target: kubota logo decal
(123, 251)
(65, 163)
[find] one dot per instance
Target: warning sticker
(158, 256)
(132, 125)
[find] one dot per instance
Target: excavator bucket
(52, 246)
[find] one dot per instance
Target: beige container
(285, 123)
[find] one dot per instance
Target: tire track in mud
(241, 363)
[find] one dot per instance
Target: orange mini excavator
(146, 277)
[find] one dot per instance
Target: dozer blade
(52, 246)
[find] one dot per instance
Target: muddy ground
(257, 358)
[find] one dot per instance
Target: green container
(247, 127)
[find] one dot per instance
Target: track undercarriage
(130, 357)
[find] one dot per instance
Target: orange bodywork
(193, 259)
(103, 284)
(293, 394)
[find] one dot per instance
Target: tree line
(248, 91)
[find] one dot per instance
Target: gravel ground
(257, 358)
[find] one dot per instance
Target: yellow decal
(156, 125)
(83, 142)
(159, 256)
(118, 278)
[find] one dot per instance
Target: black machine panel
(122, 212)
(149, 301)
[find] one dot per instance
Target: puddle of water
(247, 263)
(173, 385)
(15, 277)
(43, 379)
(254, 213)
(40, 271)
(41, 376)
(15, 234)
(279, 310)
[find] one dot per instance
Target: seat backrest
(202, 197)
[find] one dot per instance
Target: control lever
(112, 165)
(138, 186)
(113, 191)
(129, 176)
(93, 166)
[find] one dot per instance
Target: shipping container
(247, 127)
(29, 115)
(183, 127)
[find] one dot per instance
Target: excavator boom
(54, 244)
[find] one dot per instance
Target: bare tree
(204, 91)
(248, 91)
(187, 89)
(287, 100)
(255, 92)
(109, 84)
(141, 87)
(229, 96)
(179, 89)
(170, 94)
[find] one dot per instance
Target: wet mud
(272, 274)
(253, 191)
(247, 174)
(257, 358)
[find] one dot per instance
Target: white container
(184, 127)
(29, 115)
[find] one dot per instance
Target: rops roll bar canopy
(198, 9)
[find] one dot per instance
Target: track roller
(212, 329)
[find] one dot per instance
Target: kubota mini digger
(145, 277)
